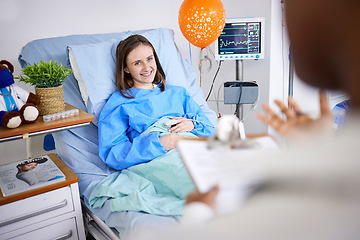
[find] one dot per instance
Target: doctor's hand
(297, 125)
(185, 125)
(169, 141)
(208, 198)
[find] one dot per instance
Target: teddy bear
(17, 105)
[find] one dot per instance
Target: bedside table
(52, 211)
(49, 212)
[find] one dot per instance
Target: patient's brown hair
(124, 80)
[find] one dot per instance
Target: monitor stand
(239, 71)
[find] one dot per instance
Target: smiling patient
(134, 139)
(142, 99)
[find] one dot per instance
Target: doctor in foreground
(312, 192)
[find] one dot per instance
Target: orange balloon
(201, 21)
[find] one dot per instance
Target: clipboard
(237, 171)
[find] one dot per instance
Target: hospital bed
(92, 58)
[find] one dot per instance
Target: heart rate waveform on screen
(229, 44)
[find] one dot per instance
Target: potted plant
(47, 78)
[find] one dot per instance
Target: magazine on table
(29, 174)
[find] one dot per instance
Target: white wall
(24, 20)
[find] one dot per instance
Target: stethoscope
(10, 100)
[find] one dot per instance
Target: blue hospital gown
(122, 121)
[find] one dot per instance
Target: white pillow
(77, 75)
(94, 67)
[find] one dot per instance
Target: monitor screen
(241, 38)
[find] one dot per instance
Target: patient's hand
(186, 125)
(298, 125)
(169, 141)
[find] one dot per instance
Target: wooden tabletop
(70, 177)
(40, 125)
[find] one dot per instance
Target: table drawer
(31, 210)
(64, 230)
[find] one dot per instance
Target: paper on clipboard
(234, 170)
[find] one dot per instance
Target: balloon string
(201, 51)
(190, 53)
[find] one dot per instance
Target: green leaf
(45, 74)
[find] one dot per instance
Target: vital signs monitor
(241, 38)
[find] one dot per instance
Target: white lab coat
(311, 193)
(19, 95)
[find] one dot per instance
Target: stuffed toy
(17, 105)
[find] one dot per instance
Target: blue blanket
(156, 187)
